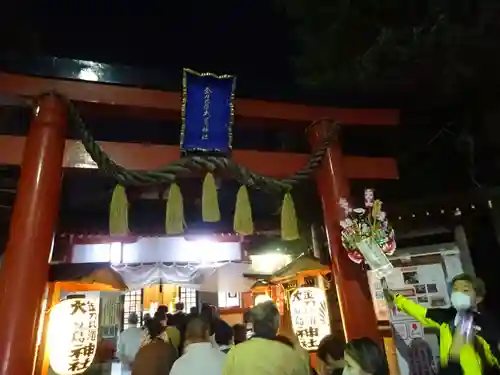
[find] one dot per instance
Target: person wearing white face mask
(473, 351)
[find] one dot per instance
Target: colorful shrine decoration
(310, 318)
(367, 235)
(206, 132)
(72, 335)
(280, 299)
(262, 291)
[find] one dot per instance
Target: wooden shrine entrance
(44, 153)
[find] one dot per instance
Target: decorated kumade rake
(205, 145)
(367, 236)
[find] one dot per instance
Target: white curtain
(213, 277)
(137, 277)
(228, 278)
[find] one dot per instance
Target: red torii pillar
(356, 307)
(25, 268)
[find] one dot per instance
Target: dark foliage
(443, 44)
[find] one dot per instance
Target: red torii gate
(44, 153)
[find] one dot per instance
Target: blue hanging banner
(207, 112)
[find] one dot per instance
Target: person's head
(330, 354)
(162, 310)
(155, 328)
(240, 333)
(209, 319)
(206, 312)
(215, 312)
(146, 319)
(205, 308)
(133, 319)
(265, 318)
(467, 291)
(224, 335)
(179, 306)
(197, 330)
(161, 314)
(364, 357)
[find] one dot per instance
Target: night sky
(248, 38)
(251, 39)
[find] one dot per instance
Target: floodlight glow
(270, 262)
(88, 74)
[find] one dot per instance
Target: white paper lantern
(72, 335)
(310, 318)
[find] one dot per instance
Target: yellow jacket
(259, 356)
(174, 335)
(470, 360)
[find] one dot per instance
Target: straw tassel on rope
(174, 216)
(118, 212)
(289, 226)
(243, 221)
(209, 201)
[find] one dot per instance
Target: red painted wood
(148, 157)
(141, 102)
(24, 272)
(231, 310)
(355, 303)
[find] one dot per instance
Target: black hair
(162, 308)
(179, 306)
(240, 333)
(369, 355)
(477, 283)
(161, 312)
(146, 319)
(160, 315)
(205, 307)
(224, 334)
(133, 319)
(154, 328)
(208, 317)
(332, 346)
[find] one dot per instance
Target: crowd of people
(192, 344)
(202, 343)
